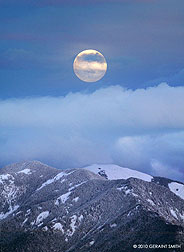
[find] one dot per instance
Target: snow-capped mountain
(111, 171)
(114, 172)
(96, 208)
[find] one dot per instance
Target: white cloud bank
(142, 129)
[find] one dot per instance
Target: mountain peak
(18, 167)
(113, 172)
(98, 208)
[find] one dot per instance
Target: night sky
(133, 116)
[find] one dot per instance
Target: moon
(90, 65)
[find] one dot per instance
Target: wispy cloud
(113, 124)
(160, 154)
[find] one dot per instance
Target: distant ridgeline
(99, 208)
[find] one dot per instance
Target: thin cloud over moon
(90, 65)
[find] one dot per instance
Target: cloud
(158, 154)
(160, 169)
(18, 58)
(142, 129)
(93, 66)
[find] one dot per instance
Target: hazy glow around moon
(90, 65)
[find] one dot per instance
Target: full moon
(90, 65)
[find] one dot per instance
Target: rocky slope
(99, 208)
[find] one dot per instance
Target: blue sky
(75, 123)
(142, 42)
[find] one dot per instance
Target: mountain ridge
(78, 210)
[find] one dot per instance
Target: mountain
(99, 208)
(111, 172)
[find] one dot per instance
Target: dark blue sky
(132, 117)
(142, 41)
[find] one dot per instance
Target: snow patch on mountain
(28, 212)
(177, 189)
(112, 172)
(151, 202)
(24, 221)
(86, 205)
(182, 216)
(5, 177)
(26, 171)
(11, 210)
(91, 243)
(57, 177)
(50, 181)
(113, 225)
(45, 228)
(75, 186)
(75, 199)
(41, 217)
(63, 198)
(72, 225)
(126, 190)
(81, 217)
(121, 188)
(173, 213)
(9, 194)
(58, 226)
